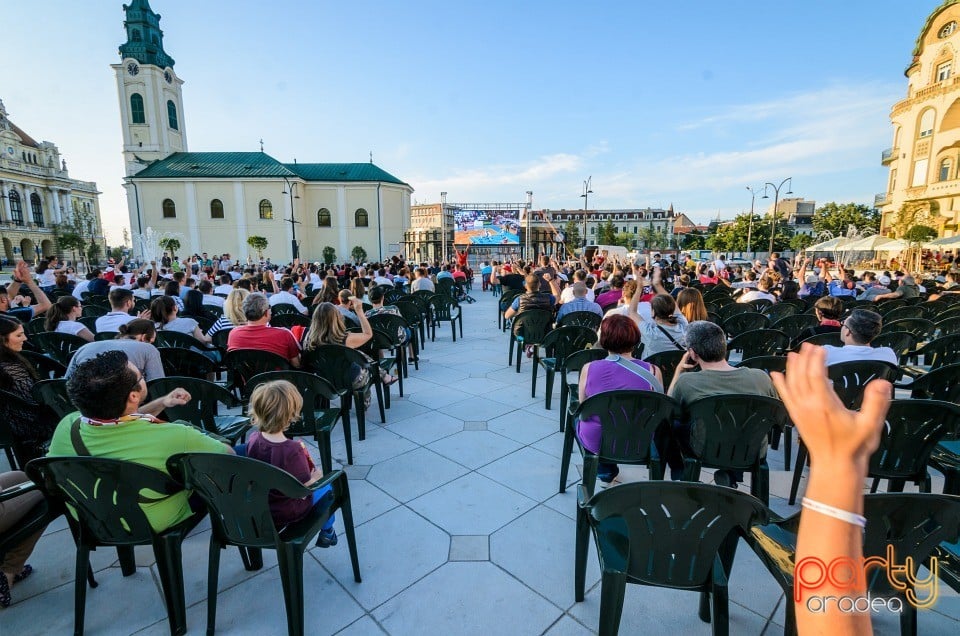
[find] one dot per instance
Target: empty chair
(901, 313)
(821, 339)
(243, 364)
(529, 327)
(743, 322)
(780, 311)
(762, 342)
(919, 327)
(203, 409)
(948, 327)
(59, 346)
(445, 309)
(902, 342)
(734, 309)
(586, 319)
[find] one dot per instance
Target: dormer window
(947, 30)
(943, 71)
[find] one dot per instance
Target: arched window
(944, 174)
(323, 218)
(362, 220)
(216, 209)
(137, 115)
(169, 209)
(926, 123)
(266, 209)
(36, 207)
(172, 115)
(16, 208)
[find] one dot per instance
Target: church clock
(132, 68)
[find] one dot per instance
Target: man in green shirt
(114, 423)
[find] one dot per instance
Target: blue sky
(686, 102)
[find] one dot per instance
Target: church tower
(151, 97)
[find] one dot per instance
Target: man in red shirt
(462, 256)
(258, 334)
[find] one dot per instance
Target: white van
(607, 251)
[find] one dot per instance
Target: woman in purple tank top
(618, 335)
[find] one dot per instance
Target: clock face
(132, 68)
(167, 76)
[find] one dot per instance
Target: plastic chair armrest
(16, 491)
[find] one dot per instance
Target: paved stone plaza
(459, 525)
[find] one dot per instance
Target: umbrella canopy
(876, 244)
(941, 243)
(827, 246)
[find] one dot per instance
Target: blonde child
(273, 406)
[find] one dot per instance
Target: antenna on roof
(261, 144)
(371, 156)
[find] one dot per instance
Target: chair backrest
(335, 364)
(886, 306)
(851, 378)
(185, 362)
(314, 389)
(793, 325)
(106, 494)
(205, 400)
(94, 311)
(742, 322)
(445, 287)
(59, 346)
(243, 364)
(902, 343)
(576, 360)
(628, 420)
(532, 325)
(283, 308)
(53, 393)
(667, 362)
(669, 533)
(820, 339)
(901, 313)
(90, 322)
(582, 319)
(563, 341)
(36, 325)
(780, 310)
(46, 366)
(734, 309)
(943, 383)
(948, 327)
(911, 431)
(919, 327)
(760, 342)
(732, 431)
(391, 296)
(410, 312)
(394, 326)
(444, 307)
(760, 305)
(913, 524)
(220, 338)
(945, 350)
(288, 321)
(100, 336)
(236, 491)
(507, 298)
(765, 363)
(512, 281)
(177, 340)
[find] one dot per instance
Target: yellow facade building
(925, 156)
(216, 200)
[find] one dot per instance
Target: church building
(216, 200)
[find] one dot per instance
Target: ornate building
(216, 200)
(925, 155)
(38, 195)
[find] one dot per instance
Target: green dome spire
(144, 37)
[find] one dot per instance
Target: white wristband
(836, 513)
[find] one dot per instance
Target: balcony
(881, 200)
(888, 156)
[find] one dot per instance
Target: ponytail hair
(138, 327)
(59, 311)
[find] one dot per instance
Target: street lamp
(586, 192)
(443, 225)
(295, 250)
(776, 201)
(753, 195)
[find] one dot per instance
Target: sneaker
(327, 538)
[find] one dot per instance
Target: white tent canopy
(875, 244)
(827, 246)
(951, 242)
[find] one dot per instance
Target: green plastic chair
(317, 419)
(913, 524)
(529, 327)
(59, 346)
(335, 364)
(570, 387)
(243, 364)
(46, 366)
(445, 309)
(558, 345)
(281, 309)
(761, 342)
(666, 534)
(795, 324)
(629, 421)
(106, 495)
(186, 363)
(236, 491)
(53, 393)
(202, 411)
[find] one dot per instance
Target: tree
(695, 240)
(836, 218)
(914, 223)
(93, 251)
(623, 239)
(732, 236)
(606, 234)
(358, 254)
(571, 236)
(172, 244)
(258, 243)
(800, 242)
(68, 240)
(329, 255)
(920, 234)
(115, 253)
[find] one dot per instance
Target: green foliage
(911, 215)
(606, 233)
(258, 243)
(329, 255)
(115, 253)
(836, 218)
(800, 242)
(694, 241)
(920, 234)
(172, 244)
(572, 238)
(358, 254)
(732, 236)
(623, 239)
(93, 251)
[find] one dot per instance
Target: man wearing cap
(874, 286)
(907, 289)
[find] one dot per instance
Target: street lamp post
(586, 193)
(443, 226)
(294, 248)
(753, 196)
(776, 202)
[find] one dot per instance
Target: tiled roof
(342, 172)
(226, 165)
(26, 139)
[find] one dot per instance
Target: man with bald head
(579, 302)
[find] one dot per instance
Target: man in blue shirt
(485, 272)
(579, 302)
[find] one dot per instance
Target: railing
(889, 155)
(881, 200)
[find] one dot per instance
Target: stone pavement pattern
(460, 530)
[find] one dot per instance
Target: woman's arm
(582, 382)
(199, 335)
(85, 334)
(657, 281)
(355, 340)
